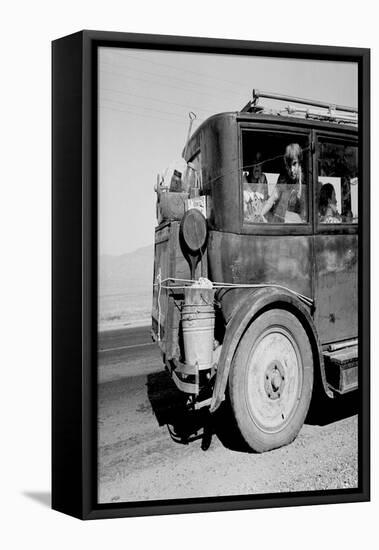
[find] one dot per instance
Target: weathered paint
(322, 267)
(169, 261)
(336, 287)
(252, 259)
(220, 167)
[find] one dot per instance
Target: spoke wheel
(271, 380)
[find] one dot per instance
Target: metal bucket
(198, 319)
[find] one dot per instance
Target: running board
(341, 369)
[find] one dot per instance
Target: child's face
(257, 171)
(293, 168)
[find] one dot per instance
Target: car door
(336, 236)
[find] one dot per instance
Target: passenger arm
(269, 203)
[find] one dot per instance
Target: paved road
(120, 339)
(127, 352)
(139, 459)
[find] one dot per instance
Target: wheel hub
(274, 380)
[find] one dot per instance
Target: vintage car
(255, 269)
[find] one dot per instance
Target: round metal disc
(194, 230)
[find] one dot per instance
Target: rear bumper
(186, 377)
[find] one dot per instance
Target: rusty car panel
(336, 286)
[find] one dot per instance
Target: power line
(138, 114)
(108, 107)
(203, 75)
(160, 75)
(171, 86)
(145, 108)
(150, 98)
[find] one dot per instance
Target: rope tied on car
(188, 283)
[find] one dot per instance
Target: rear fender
(253, 304)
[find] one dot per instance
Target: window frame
(251, 228)
(197, 154)
(339, 138)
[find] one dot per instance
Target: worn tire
(271, 380)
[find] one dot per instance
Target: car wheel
(271, 380)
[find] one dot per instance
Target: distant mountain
(128, 273)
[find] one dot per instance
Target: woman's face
(293, 168)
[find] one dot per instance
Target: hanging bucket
(198, 320)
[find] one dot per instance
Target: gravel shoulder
(139, 459)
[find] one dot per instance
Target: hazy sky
(144, 100)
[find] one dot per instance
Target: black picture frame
(74, 273)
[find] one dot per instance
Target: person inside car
(255, 189)
(328, 212)
(285, 202)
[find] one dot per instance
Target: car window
(337, 182)
(274, 177)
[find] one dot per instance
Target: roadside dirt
(140, 460)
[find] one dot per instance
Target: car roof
(271, 119)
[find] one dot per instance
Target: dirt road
(139, 459)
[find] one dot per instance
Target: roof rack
(338, 113)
